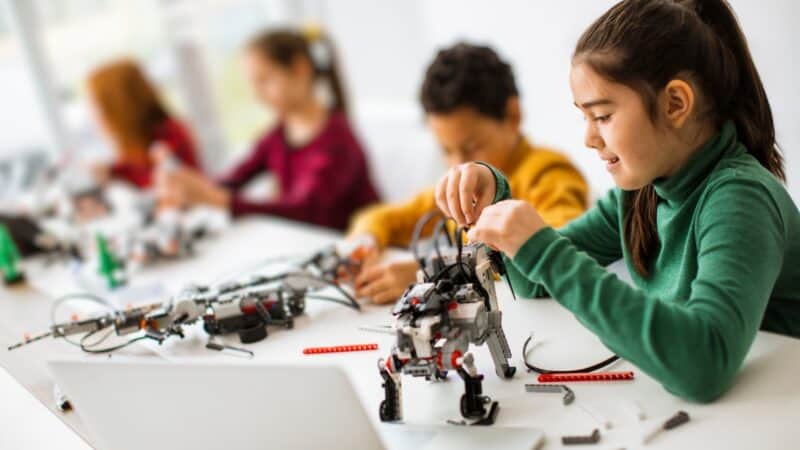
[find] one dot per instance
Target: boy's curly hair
(468, 75)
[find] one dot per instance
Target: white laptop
(135, 403)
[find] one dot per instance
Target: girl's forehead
(591, 89)
(587, 85)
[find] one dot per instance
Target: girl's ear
(678, 102)
(513, 113)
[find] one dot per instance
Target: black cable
(437, 231)
(446, 269)
(329, 299)
(536, 369)
(351, 302)
(460, 248)
(415, 238)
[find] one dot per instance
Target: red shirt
(322, 182)
(178, 139)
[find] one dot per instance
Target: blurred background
(192, 50)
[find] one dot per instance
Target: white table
(760, 411)
(26, 423)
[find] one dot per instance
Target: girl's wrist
(220, 197)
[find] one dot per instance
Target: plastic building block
(108, 266)
(600, 376)
(593, 438)
(9, 258)
(340, 349)
(569, 396)
(680, 418)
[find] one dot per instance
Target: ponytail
(746, 103)
(646, 43)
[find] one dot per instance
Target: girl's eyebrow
(589, 104)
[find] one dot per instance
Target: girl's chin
(627, 183)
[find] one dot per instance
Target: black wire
(329, 299)
(460, 248)
(415, 238)
(351, 302)
(536, 369)
(437, 231)
(446, 269)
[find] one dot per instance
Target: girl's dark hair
(646, 43)
(284, 45)
(468, 75)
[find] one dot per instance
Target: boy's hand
(507, 225)
(465, 191)
(385, 282)
(362, 251)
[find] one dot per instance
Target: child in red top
(320, 165)
(129, 112)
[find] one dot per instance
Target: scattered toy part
(578, 440)
(680, 418)
(600, 376)
(9, 259)
(340, 349)
(569, 396)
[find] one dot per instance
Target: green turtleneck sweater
(728, 264)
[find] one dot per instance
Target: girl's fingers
(441, 195)
(466, 193)
(488, 227)
(453, 203)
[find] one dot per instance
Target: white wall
(23, 124)
(386, 46)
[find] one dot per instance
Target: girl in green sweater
(676, 110)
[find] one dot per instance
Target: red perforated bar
(340, 349)
(600, 376)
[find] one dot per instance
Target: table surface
(760, 411)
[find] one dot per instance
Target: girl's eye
(602, 119)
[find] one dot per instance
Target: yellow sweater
(543, 177)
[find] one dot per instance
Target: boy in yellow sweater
(472, 105)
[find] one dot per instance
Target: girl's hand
(101, 172)
(506, 225)
(190, 188)
(465, 191)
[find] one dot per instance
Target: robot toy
(453, 306)
(243, 307)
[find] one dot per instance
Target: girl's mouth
(612, 163)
